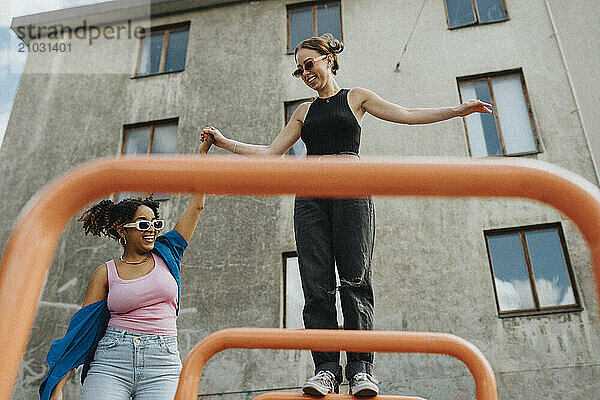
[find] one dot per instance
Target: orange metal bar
(300, 396)
(332, 340)
(31, 247)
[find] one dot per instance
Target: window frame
(475, 10)
(152, 125)
(537, 310)
(489, 77)
(313, 5)
(163, 56)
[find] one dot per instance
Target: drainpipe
(570, 79)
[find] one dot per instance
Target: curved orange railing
(25, 263)
(331, 340)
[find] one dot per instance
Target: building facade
(511, 276)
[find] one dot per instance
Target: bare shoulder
(303, 107)
(97, 288)
(100, 274)
(301, 111)
(360, 94)
(99, 279)
(357, 98)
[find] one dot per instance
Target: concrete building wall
(431, 271)
(582, 59)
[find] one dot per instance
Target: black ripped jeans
(340, 232)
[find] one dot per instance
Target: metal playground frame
(43, 220)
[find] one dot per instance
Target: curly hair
(324, 44)
(105, 217)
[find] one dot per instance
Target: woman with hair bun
(126, 332)
(336, 232)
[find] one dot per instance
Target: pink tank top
(146, 304)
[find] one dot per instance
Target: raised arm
(371, 103)
(282, 143)
(186, 225)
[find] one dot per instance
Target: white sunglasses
(145, 225)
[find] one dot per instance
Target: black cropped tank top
(330, 127)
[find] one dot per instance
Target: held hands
(472, 106)
(206, 143)
(215, 134)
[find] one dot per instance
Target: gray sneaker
(321, 384)
(363, 385)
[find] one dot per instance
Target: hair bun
(325, 44)
(335, 46)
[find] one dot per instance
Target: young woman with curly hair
(336, 232)
(126, 333)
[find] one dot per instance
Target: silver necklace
(134, 263)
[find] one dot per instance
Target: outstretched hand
(472, 106)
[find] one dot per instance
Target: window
(293, 298)
(472, 12)
(531, 270)
(163, 50)
(149, 138)
(313, 19)
(299, 148)
(509, 130)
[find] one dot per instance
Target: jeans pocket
(171, 346)
(107, 342)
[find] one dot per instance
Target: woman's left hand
(472, 106)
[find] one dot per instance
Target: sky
(11, 60)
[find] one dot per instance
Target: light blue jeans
(130, 365)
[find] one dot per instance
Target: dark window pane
(328, 20)
(460, 12)
(492, 141)
(176, 50)
(549, 268)
(165, 137)
(301, 26)
(137, 141)
(151, 51)
(510, 272)
(490, 10)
